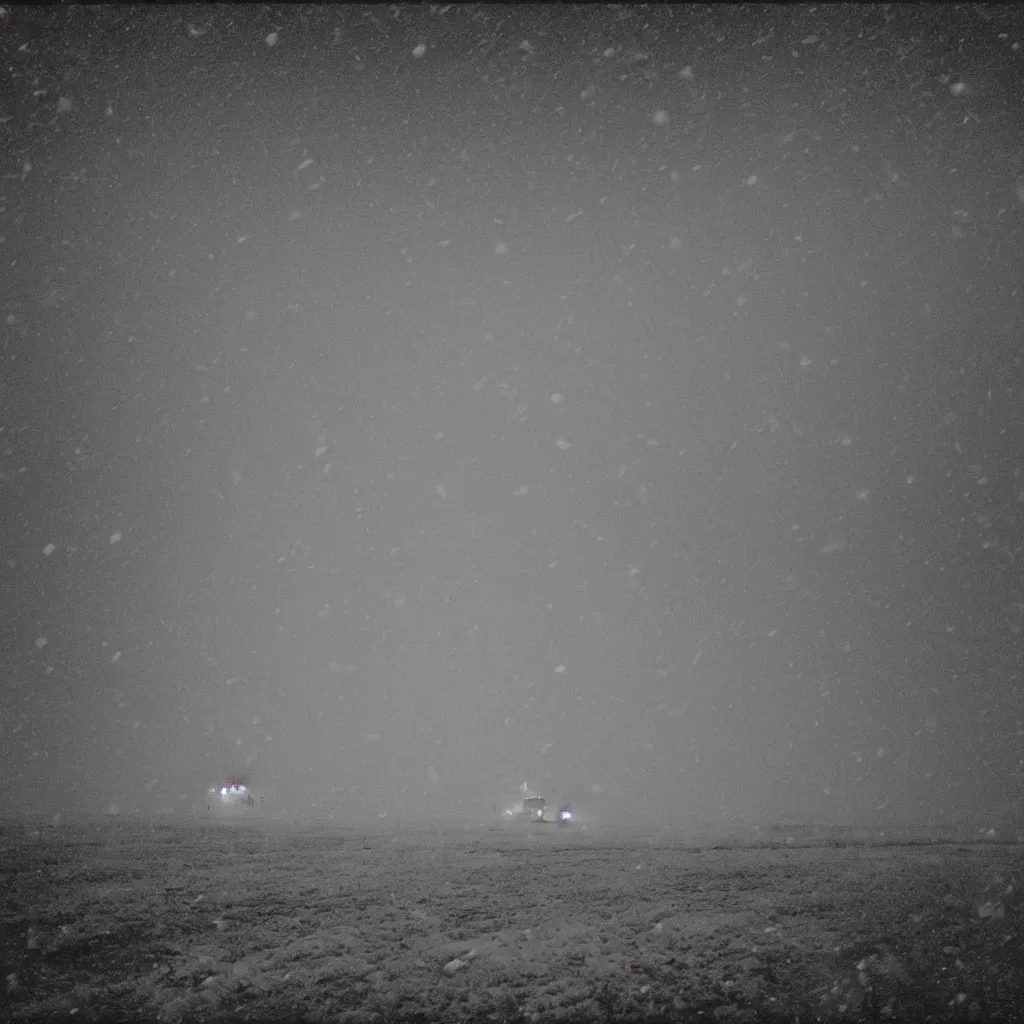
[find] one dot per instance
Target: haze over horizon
(402, 404)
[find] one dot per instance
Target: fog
(404, 405)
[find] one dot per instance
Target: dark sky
(402, 405)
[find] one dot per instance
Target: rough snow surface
(183, 920)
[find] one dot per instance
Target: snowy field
(182, 920)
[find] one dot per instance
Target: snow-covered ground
(189, 920)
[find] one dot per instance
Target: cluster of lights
(232, 791)
(564, 814)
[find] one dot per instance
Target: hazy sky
(403, 405)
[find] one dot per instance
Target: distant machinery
(533, 808)
(233, 794)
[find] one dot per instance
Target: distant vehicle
(232, 795)
(530, 808)
(533, 808)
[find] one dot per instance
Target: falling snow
(372, 366)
